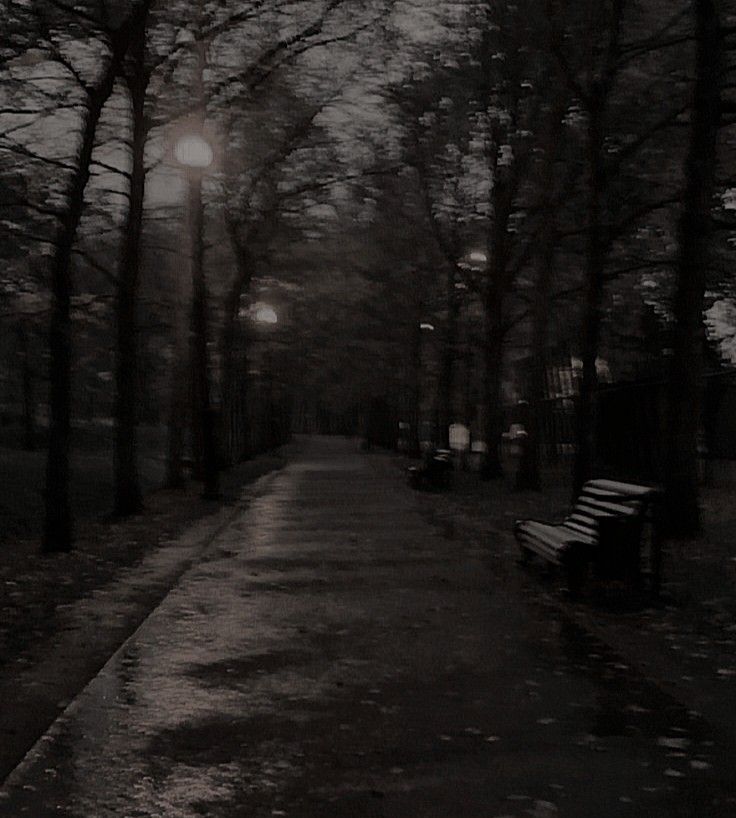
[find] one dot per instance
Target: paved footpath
(333, 654)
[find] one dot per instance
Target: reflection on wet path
(333, 655)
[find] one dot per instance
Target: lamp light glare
(263, 314)
(193, 151)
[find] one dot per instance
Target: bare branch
(256, 73)
(95, 264)
(631, 148)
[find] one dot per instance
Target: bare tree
(596, 52)
(695, 226)
(128, 498)
(58, 520)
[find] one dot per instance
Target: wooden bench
(604, 529)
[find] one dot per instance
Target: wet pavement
(333, 654)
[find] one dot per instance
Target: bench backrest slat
(594, 505)
(582, 528)
(621, 490)
(605, 499)
(608, 518)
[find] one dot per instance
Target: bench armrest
(519, 522)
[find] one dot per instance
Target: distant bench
(434, 472)
(605, 529)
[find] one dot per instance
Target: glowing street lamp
(478, 258)
(193, 151)
(265, 314)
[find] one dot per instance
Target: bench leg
(656, 567)
(526, 554)
(576, 571)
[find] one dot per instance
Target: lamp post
(474, 265)
(422, 327)
(492, 365)
(264, 316)
(194, 153)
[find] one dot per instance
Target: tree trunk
(58, 519)
(235, 379)
(228, 430)
(596, 254)
(233, 385)
(128, 497)
(416, 374)
(178, 407)
(496, 284)
(529, 474)
(492, 467)
(447, 371)
(685, 381)
(29, 397)
(58, 522)
(204, 416)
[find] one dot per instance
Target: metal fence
(630, 426)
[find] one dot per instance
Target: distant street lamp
(193, 151)
(195, 154)
(423, 327)
(478, 258)
(477, 262)
(265, 316)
